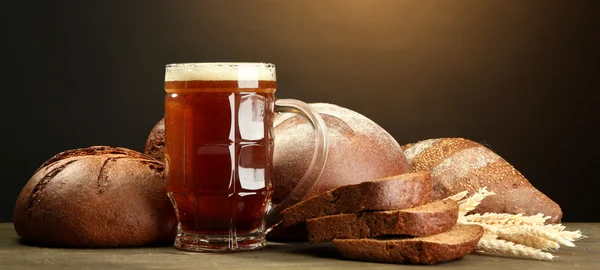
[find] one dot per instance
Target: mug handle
(316, 165)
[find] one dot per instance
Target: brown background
(519, 76)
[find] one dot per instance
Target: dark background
(519, 76)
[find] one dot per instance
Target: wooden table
(14, 255)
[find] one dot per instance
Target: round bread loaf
(359, 151)
(99, 196)
(155, 144)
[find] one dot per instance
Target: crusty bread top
(390, 193)
(458, 164)
(359, 150)
(95, 150)
(99, 196)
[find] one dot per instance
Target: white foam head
(220, 72)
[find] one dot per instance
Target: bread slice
(428, 219)
(450, 245)
(395, 192)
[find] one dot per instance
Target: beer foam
(220, 72)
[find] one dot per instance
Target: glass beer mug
(219, 153)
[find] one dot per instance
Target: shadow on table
(321, 250)
(28, 243)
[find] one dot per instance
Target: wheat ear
(516, 250)
(472, 202)
(506, 219)
(545, 234)
(458, 196)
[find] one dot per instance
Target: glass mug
(219, 153)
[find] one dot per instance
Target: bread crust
(99, 196)
(450, 245)
(458, 164)
(155, 144)
(359, 150)
(390, 193)
(424, 220)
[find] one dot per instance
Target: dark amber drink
(219, 153)
(219, 150)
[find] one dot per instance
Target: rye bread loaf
(458, 164)
(359, 150)
(429, 219)
(99, 196)
(446, 246)
(390, 193)
(155, 144)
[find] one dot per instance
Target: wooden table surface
(14, 255)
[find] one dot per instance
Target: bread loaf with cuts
(99, 196)
(458, 164)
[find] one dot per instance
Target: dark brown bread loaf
(396, 192)
(99, 196)
(458, 164)
(424, 220)
(450, 245)
(155, 144)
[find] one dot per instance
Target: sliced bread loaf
(428, 219)
(450, 245)
(395, 192)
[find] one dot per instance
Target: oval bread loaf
(458, 164)
(99, 196)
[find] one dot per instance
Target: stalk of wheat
(513, 235)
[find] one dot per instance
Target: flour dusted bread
(458, 164)
(99, 196)
(447, 246)
(396, 192)
(429, 219)
(359, 151)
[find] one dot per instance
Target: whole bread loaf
(359, 150)
(446, 246)
(99, 196)
(429, 219)
(458, 164)
(390, 193)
